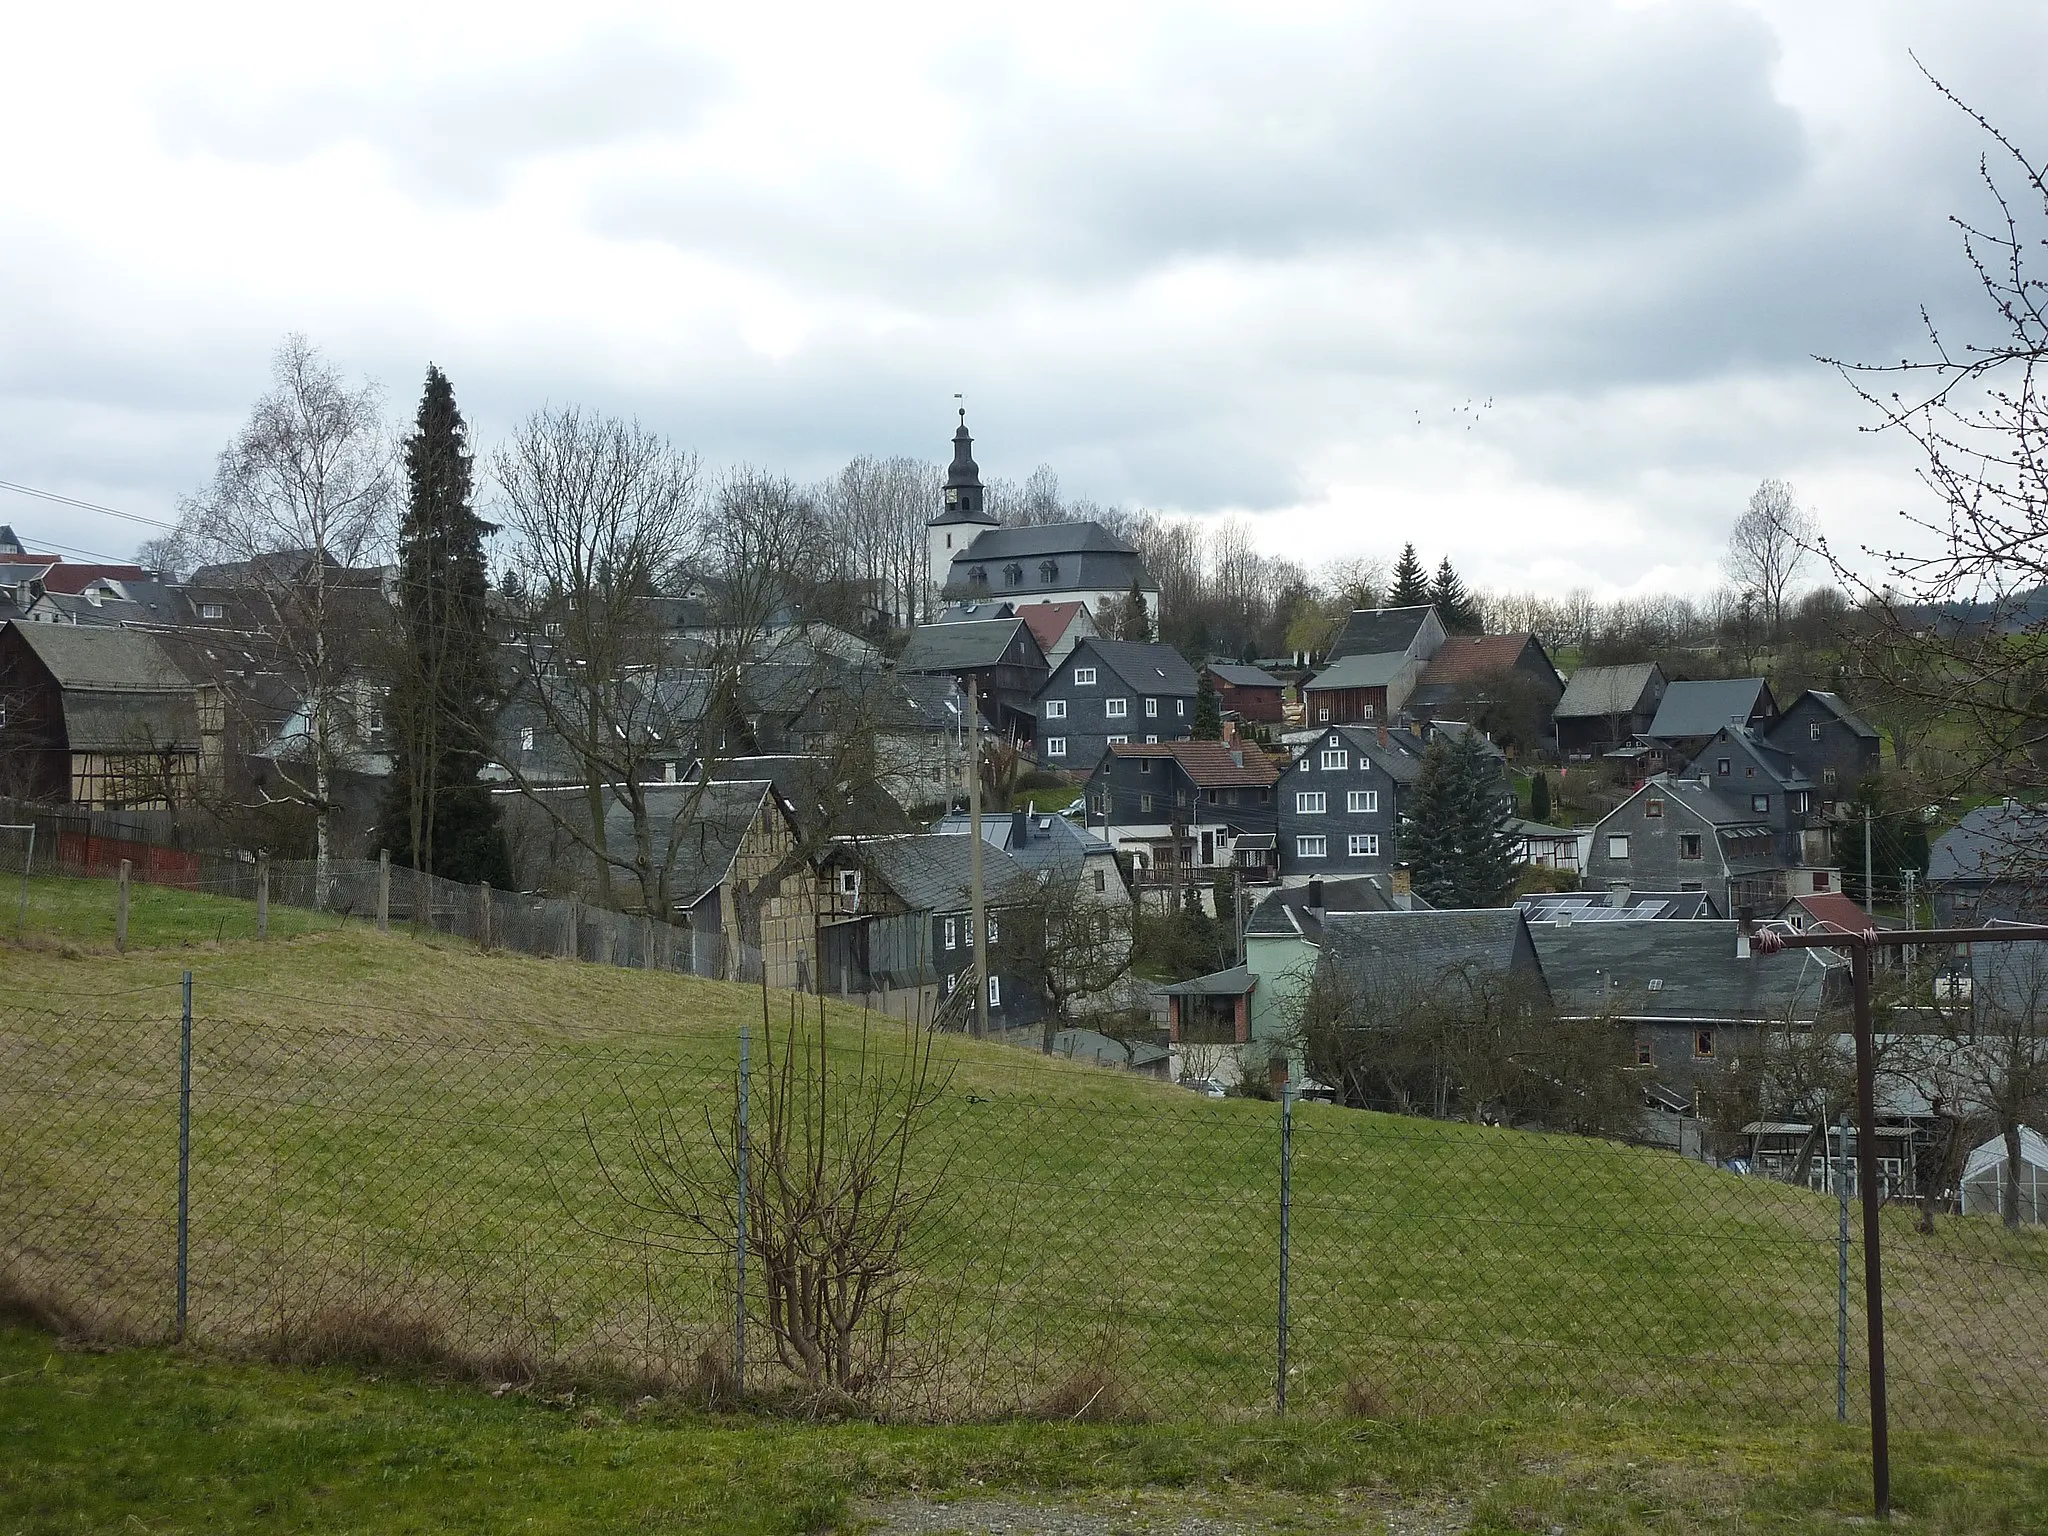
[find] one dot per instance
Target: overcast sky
(1536, 285)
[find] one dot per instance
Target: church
(978, 565)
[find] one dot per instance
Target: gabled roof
(1598, 967)
(1728, 816)
(1702, 708)
(1374, 670)
(1400, 754)
(933, 872)
(1037, 840)
(1146, 666)
(1832, 912)
(1374, 631)
(2003, 842)
(1289, 911)
(1384, 954)
(1776, 761)
(1041, 539)
(966, 644)
(1208, 764)
(1244, 677)
(1466, 658)
(103, 660)
(1235, 982)
(1049, 622)
(1833, 703)
(1595, 692)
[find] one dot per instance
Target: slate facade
(1113, 691)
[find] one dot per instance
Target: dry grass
(1097, 1394)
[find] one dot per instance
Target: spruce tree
(1454, 605)
(1411, 586)
(1208, 709)
(1460, 850)
(1135, 623)
(1539, 798)
(441, 704)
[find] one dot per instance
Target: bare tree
(298, 501)
(1767, 549)
(1067, 944)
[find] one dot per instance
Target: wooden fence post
(383, 890)
(483, 914)
(573, 949)
(646, 942)
(263, 894)
(121, 907)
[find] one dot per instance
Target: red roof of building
(1465, 657)
(70, 580)
(1832, 911)
(1211, 764)
(1048, 621)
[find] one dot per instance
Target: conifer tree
(1135, 622)
(442, 699)
(1539, 798)
(1454, 605)
(1411, 585)
(1208, 709)
(1460, 850)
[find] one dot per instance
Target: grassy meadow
(410, 1148)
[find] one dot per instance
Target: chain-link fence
(524, 1197)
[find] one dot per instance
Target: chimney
(1020, 828)
(1383, 737)
(1315, 893)
(1617, 893)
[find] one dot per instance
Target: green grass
(159, 916)
(423, 1132)
(167, 1442)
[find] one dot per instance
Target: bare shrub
(1363, 1399)
(1095, 1394)
(359, 1333)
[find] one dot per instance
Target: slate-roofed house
(1283, 939)
(1745, 765)
(1058, 627)
(1993, 863)
(1112, 691)
(1373, 666)
(1378, 961)
(1470, 667)
(1686, 835)
(103, 719)
(1172, 805)
(896, 927)
(1001, 656)
(1690, 1002)
(915, 722)
(1043, 843)
(1836, 746)
(1602, 707)
(1692, 712)
(1250, 693)
(1340, 803)
(712, 841)
(1073, 562)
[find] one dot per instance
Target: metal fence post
(1286, 1216)
(383, 890)
(121, 907)
(263, 895)
(1842, 1270)
(184, 1152)
(739, 1319)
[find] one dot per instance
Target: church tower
(963, 514)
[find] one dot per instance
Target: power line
(70, 549)
(88, 506)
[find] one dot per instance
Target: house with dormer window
(1113, 693)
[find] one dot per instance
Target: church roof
(963, 470)
(1046, 539)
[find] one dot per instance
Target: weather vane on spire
(963, 406)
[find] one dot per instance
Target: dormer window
(1013, 574)
(978, 575)
(213, 610)
(1048, 570)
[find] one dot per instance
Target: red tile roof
(1211, 764)
(70, 580)
(1834, 911)
(1048, 621)
(1465, 657)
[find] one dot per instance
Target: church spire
(963, 500)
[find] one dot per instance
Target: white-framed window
(1055, 746)
(1617, 845)
(1362, 802)
(1312, 847)
(1152, 708)
(213, 610)
(1055, 709)
(1761, 804)
(952, 982)
(1151, 741)
(1813, 731)
(951, 929)
(1119, 741)
(1084, 677)
(1101, 881)
(995, 991)
(1116, 709)
(1180, 706)
(1365, 845)
(1144, 765)
(1827, 775)
(1654, 806)
(849, 882)
(526, 738)
(1323, 713)
(1145, 804)
(1311, 802)
(1335, 759)
(993, 933)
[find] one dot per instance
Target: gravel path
(1161, 1514)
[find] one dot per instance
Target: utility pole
(977, 914)
(1911, 878)
(1867, 894)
